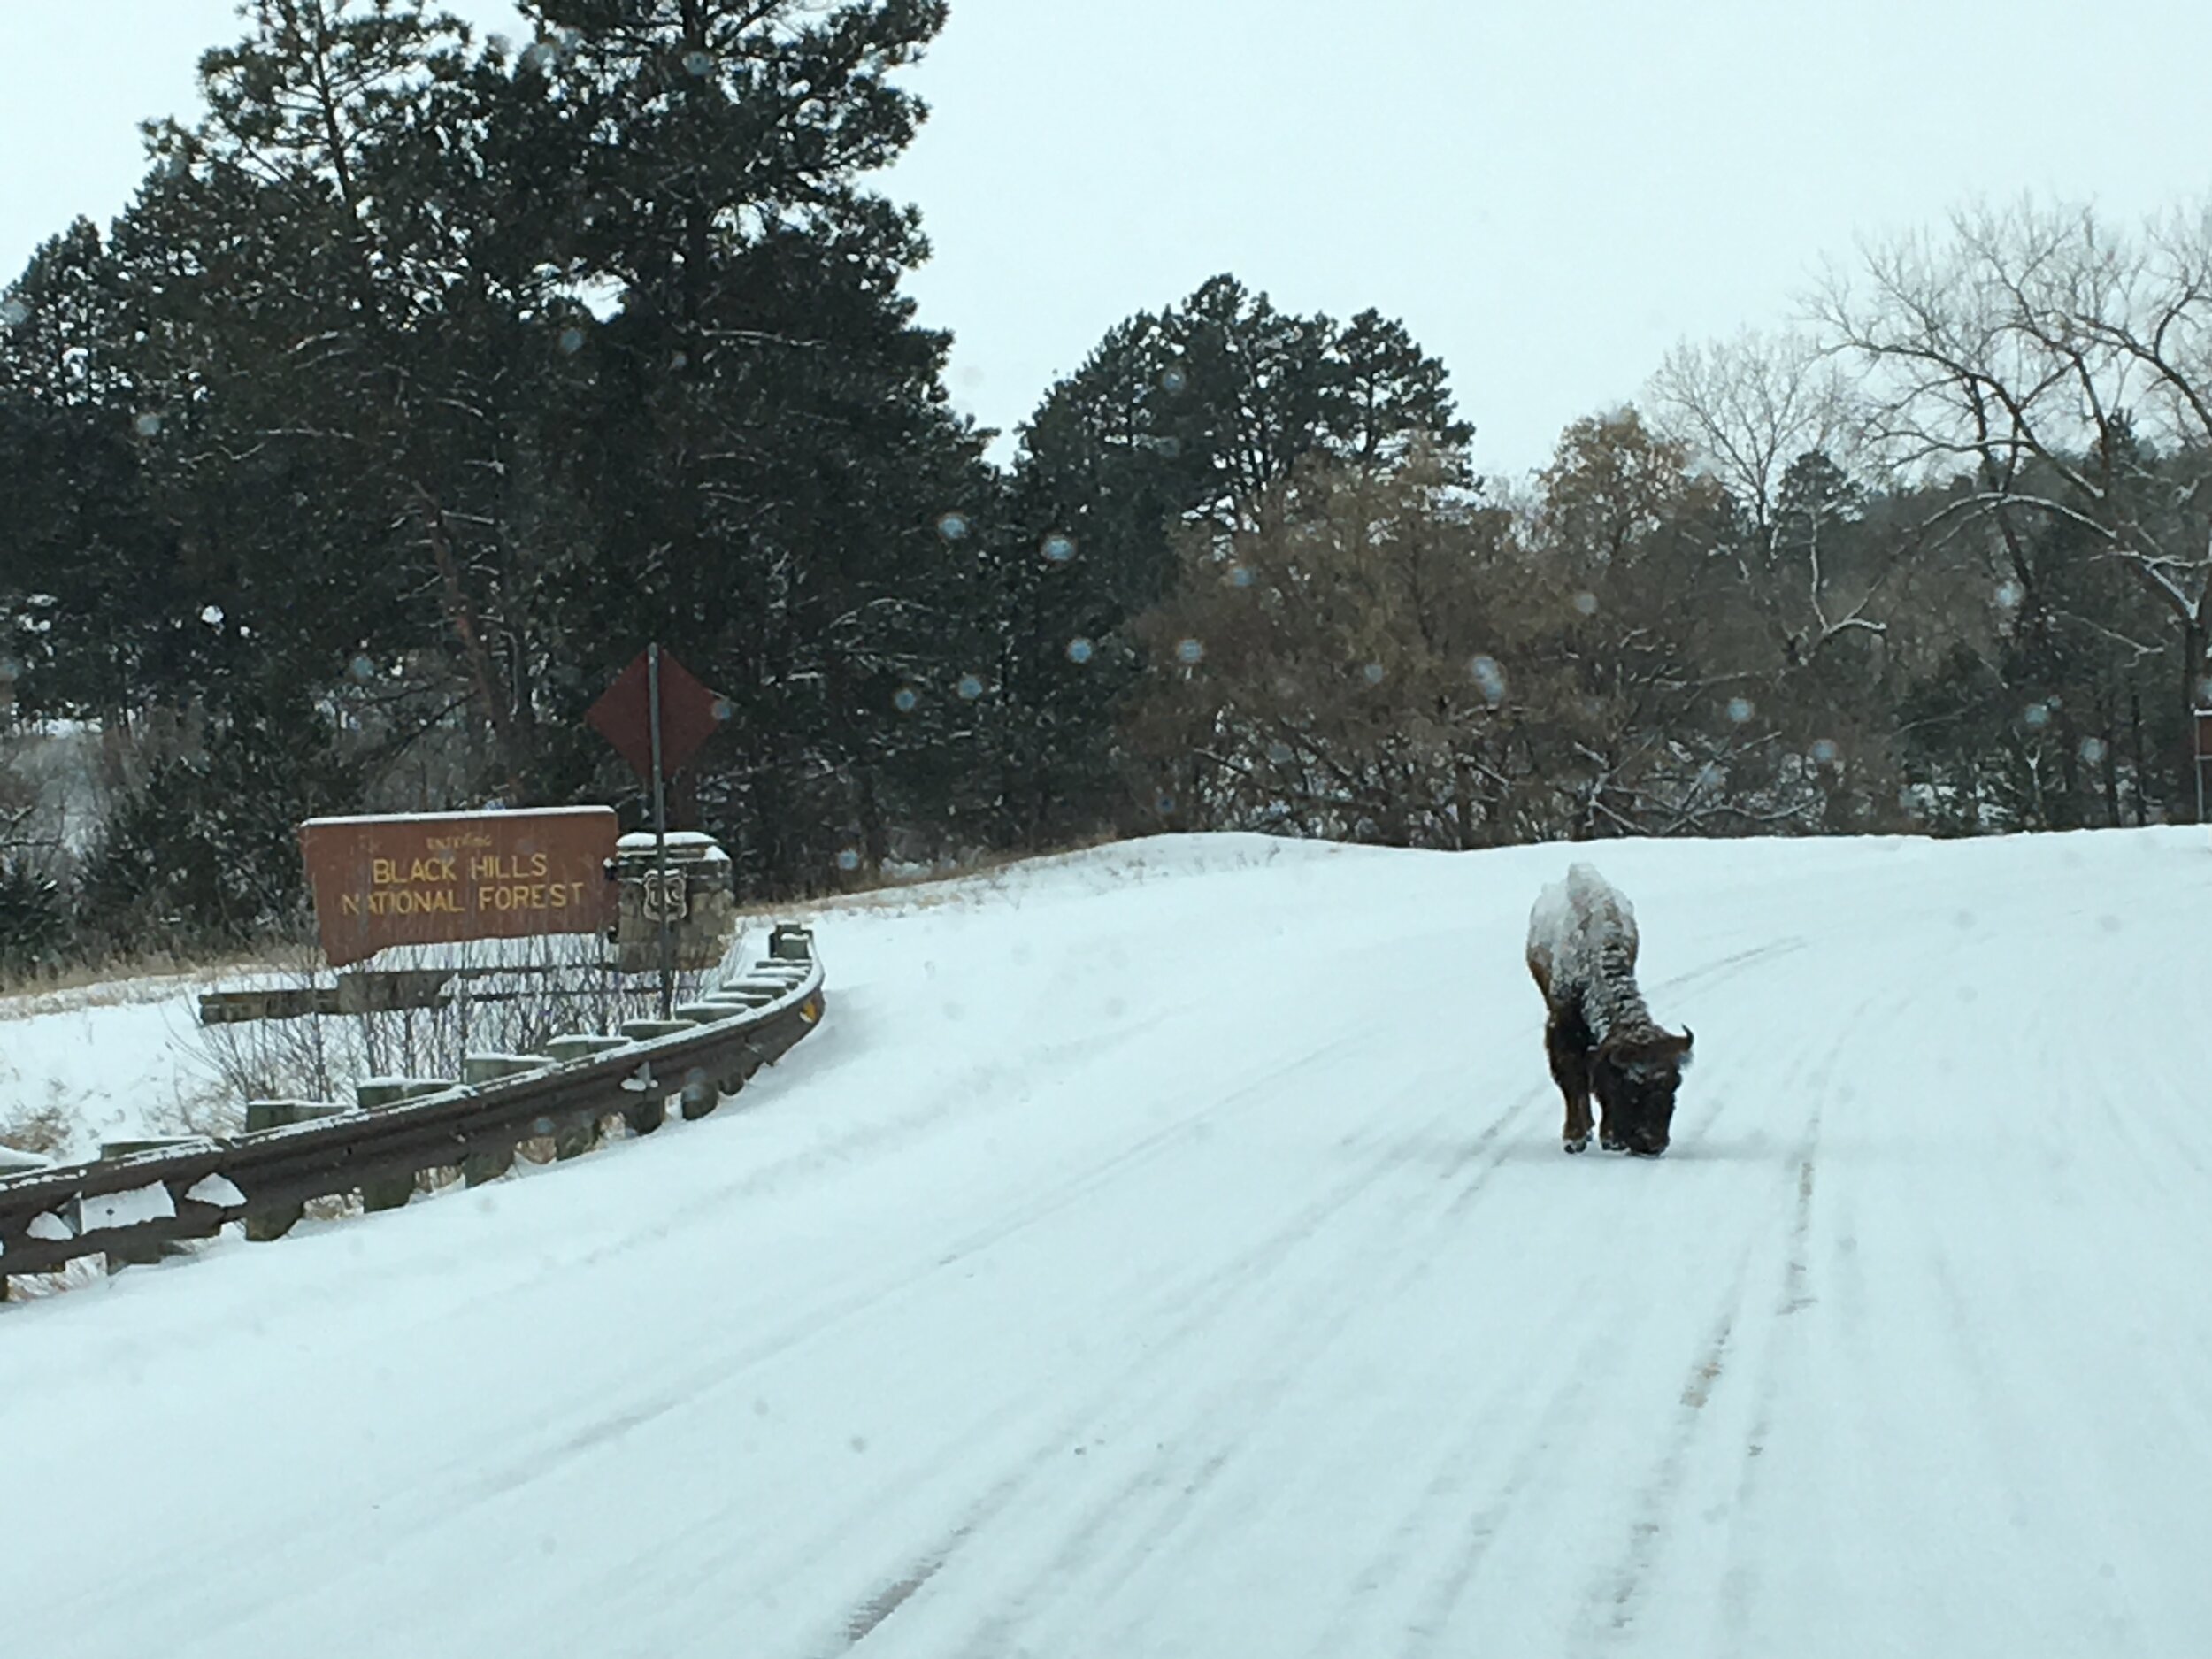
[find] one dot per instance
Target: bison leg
(1570, 1069)
(1612, 1121)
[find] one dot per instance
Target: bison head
(1635, 1079)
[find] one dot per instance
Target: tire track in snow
(1236, 1400)
(1150, 1507)
(1566, 1399)
(1244, 1403)
(1483, 1156)
(1738, 1583)
(1438, 1601)
(1433, 1626)
(1718, 1357)
(1796, 1293)
(868, 1616)
(1225, 1420)
(1193, 1313)
(1722, 971)
(1724, 968)
(532, 1459)
(1795, 1296)
(1624, 1584)
(1156, 1531)
(1152, 1486)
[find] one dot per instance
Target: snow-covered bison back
(1599, 1036)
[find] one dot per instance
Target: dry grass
(85, 1270)
(150, 977)
(987, 864)
(209, 1110)
(42, 1129)
(959, 883)
(52, 1129)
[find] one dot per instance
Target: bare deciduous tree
(2065, 365)
(1775, 419)
(1749, 407)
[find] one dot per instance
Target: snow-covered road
(1169, 1251)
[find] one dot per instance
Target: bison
(1598, 1035)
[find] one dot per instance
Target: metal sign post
(657, 715)
(660, 829)
(2204, 754)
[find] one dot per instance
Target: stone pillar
(706, 926)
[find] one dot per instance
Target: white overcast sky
(1550, 192)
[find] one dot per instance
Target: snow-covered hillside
(108, 1062)
(1167, 1251)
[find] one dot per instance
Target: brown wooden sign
(438, 879)
(2204, 734)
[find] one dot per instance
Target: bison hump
(1582, 927)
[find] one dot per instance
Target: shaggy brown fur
(1599, 1037)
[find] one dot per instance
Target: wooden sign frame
(423, 879)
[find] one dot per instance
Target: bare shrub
(45, 1129)
(504, 996)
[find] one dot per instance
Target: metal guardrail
(134, 1207)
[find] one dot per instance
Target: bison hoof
(1577, 1143)
(1611, 1145)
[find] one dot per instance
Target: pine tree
(766, 451)
(1182, 420)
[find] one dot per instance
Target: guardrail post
(14, 1161)
(699, 1095)
(582, 1045)
(273, 1221)
(643, 1030)
(390, 1191)
(651, 1110)
(574, 1139)
(479, 1167)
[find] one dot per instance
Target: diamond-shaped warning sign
(690, 714)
